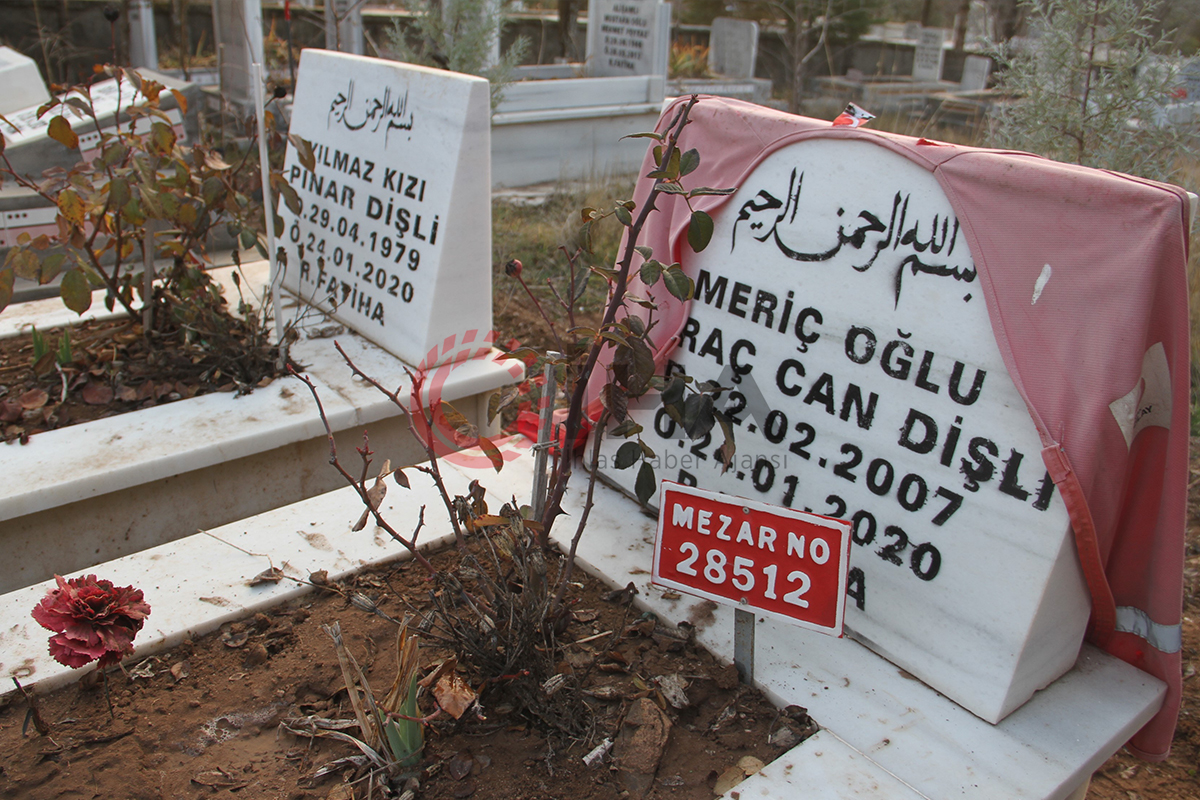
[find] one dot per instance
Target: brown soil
(203, 719)
(113, 369)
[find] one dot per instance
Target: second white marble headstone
(839, 302)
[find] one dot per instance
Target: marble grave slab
(929, 55)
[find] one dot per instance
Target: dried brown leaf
(272, 575)
(97, 394)
(454, 695)
(34, 398)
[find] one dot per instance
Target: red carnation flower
(93, 620)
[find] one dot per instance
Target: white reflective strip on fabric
(1166, 638)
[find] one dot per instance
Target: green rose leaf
(689, 161)
(645, 485)
(650, 272)
(677, 283)
(76, 294)
(700, 231)
(627, 455)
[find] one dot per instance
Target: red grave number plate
(779, 562)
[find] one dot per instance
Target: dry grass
(535, 232)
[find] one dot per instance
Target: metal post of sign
(743, 644)
(545, 439)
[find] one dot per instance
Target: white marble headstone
(927, 60)
(344, 26)
(839, 301)
(628, 37)
(21, 84)
(394, 234)
(238, 32)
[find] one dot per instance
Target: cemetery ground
(202, 720)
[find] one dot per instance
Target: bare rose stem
(561, 591)
(426, 440)
(513, 269)
(563, 472)
(409, 544)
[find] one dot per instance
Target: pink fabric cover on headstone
(1118, 248)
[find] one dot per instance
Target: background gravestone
(838, 299)
(394, 233)
(733, 47)
(628, 37)
(143, 43)
(237, 30)
(927, 60)
(1190, 78)
(344, 26)
(21, 84)
(976, 70)
(30, 149)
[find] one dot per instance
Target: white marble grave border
(131, 449)
(886, 735)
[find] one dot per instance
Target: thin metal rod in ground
(545, 439)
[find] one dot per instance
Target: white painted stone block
(838, 299)
(823, 768)
(976, 70)
(394, 234)
(21, 84)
